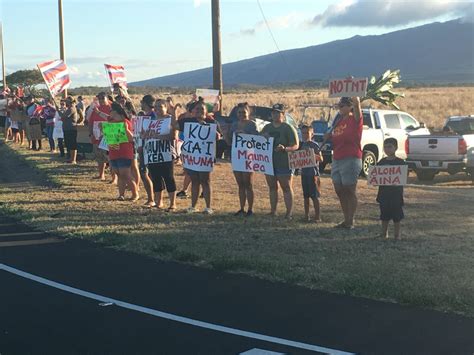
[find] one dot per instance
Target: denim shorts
(346, 171)
(121, 163)
(283, 172)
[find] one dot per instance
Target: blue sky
(154, 37)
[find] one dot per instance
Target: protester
(58, 124)
(390, 198)
(162, 173)
(100, 113)
(310, 181)
(81, 109)
(285, 140)
(33, 111)
(48, 114)
(121, 155)
(69, 119)
(19, 119)
(183, 193)
(347, 156)
(147, 105)
(244, 179)
(198, 178)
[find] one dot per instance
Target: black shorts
(311, 186)
(70, 140)
(391, 211)
(162, 175)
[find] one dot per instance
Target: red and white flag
(56, 75)
(116, 74)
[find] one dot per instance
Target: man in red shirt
(100, 113)
(347, 156)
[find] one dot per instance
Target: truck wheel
(425, 175)
(368, 159)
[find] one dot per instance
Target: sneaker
(121, 198)
(208, 211)
(182, 194)
(249, 213)
(191, 210)
(239, 213)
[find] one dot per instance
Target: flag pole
(61, 36)
(4, 76)
(216, 50)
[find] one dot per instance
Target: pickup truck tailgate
(434, 147)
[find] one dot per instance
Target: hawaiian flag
(56, 76)
(116, 74)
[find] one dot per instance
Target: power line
(273, 37)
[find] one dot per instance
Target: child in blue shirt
(310, 176)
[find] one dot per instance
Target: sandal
(170, 209)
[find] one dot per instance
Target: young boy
(310, 176)
(390, 198)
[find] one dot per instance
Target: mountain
(433, 53)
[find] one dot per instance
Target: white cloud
(389, 13)
(292, 19)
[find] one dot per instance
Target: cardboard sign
(304, 158)
(210, 96)
(114, 133)
(154, 129)
(348, 87)
(199, 147)
(251, 153)
(137, 125)
(157, 151)
(388, 175)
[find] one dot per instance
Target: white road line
(169, 316)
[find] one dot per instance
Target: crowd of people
(26, 120)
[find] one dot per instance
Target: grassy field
(431, 267)
(429, 105)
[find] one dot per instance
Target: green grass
(431, 267)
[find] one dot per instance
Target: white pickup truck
(451, 150)
(379, 125)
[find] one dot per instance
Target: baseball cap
(279, 108)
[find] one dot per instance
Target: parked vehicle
(378, 125)
(451, 150)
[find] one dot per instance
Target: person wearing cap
(346, 134)
(285, 139)
(70, 118)
(80, 107)
(99, 113)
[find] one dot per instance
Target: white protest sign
(300, 159)
(199, 147)
(103, 144)
(154, 129)
(210, 96)
(387, 175)
(58, 127)
(137, 124)
(348, 87)
(251, 153)
(157, 151)
(96, 130)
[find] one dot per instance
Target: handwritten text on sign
(199, 148)
(114, 133)
(304, 158)
(157, 151)
(251, 153)
(348, 87)
(388, 175)
(153, 129)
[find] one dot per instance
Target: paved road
(38, 318)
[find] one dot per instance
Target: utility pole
(61, 36)
(4, 76)
(216, 50)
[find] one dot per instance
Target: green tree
(27, 78)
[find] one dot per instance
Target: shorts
(283, 172)
(346, 171)
(100, 155)
(70, 140)
(121, 163)
(391, 210)
(141, 164)
(191, 172)
(311, 186)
